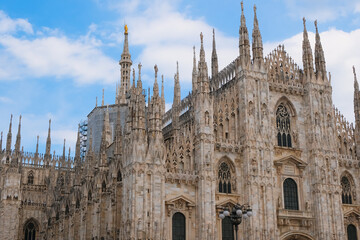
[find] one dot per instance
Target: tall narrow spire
(18, 137)
(320, 65)
(77, 148)
(48, 141)
(139, 82)
(125, 64)
(177, 93)
(118, 134)
(203, 79)
(63, 156)
(133, 83)
(257, 45)
(244, 45)
(37, 147)
(307, 54)
(194, 73)
(156, 86)
(9, 137)
(356, 84)
(214, 58)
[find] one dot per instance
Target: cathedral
(262, 133)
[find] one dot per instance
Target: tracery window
(346, 195)
(283, 126)
(30, 231)
(31, 178)
(351, 232)
(291, 194)
(224, 177)
(178, 226)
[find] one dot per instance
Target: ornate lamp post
(236, 214)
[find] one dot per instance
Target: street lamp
(236, 214)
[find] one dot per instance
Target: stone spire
(320, 65)
(257, 45)
(48, 141)
(77, 149)
(307, 54)
(9, 137)
(162, 96)
(118, 134)
(133, 83)
(156, 85)
(177, 93)
(125, 64)
(203, 79)
(139, 82)
(194, 73)
(214, 58)
(244, 45)
(356, 84)
(18, 137)
(63, 156)
(37, 147)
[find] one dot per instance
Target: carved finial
(201, 37)
(316, 27)
(304, 22)
(254, 9)
(242, 7)
(354, 71)
(156, 70)
(139, 66)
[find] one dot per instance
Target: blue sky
(56, 56)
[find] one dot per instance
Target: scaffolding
(83, 127)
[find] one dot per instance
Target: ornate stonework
(261, 132)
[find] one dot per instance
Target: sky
(57, 56)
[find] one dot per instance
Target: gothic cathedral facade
(260, 132)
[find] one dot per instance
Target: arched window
(77, 205)
(351, 232)
(30, 231)
(31, 178)
(290, 194)
(178, 226)
(103, 186)
(224, 177)
(346, 195)
(283, 126)
(119, 176)
(227, 231)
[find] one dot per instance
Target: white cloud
(341, 53)
(8, 25)
(5, 100)
(357, 8)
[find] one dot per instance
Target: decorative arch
(31, 229)
(297, 236)
(285, 122)
(226, 176)
(119, 176)
(348, 195)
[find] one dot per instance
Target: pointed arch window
(30, 231)
(346, 195)
(77, 205)
(67, 209)
(178, 226)
(283, 126)
(103, 186)
(30, 178)
(119, 176)
(351, 232)
(224, 178)
(291, 194)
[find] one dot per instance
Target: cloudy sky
(57, 56)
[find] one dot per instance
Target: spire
(133, 83)
(307, 54)
(156, 86)
(257, 45)
(104, 139)
(125, 64)
(9, 136)
(102, 101)
(37, 147)
(63, 156)
(320, 65)
(214, 58)
(77, 148)
(118, 134)
(194, 73)
(244, 45)
(18, 137)
(139, 83)
(177, 93)
(202, 79)
(148, 96)
(48, 141)
(356, 84)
